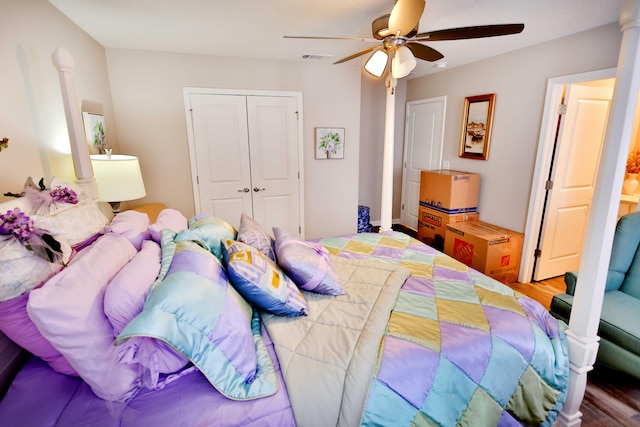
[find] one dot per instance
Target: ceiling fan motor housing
(380, 28)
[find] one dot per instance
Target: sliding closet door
(273, 147)
(222, 155)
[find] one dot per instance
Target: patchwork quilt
(460, 348)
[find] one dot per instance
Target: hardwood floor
(612, 399)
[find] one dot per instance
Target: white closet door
(222, 155)
(273, 145)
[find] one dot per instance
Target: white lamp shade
(118, 177)
(403, 62)
(377, 63)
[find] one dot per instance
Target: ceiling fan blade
(424, 52)
(470, 32)
(360, 39)
(355, 55)
(405, 16)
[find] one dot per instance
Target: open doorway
(547, 150)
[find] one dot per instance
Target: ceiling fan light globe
(403, 62)
(377, 63)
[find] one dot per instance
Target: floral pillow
(252, 234)
(29, 255)
(307, 264)
(260, 281)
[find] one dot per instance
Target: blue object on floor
(363, 219)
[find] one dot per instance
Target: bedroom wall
(519, 80)
(31, 110)
(147, 90)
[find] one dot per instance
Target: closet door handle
(256, 189)
(244, 190)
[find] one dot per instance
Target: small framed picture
(329, 143)
(476, 126)
(95, 132)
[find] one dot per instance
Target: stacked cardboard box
(492, 250)
(446, 197)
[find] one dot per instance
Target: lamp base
(115, 207)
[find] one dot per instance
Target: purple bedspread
(40, 397)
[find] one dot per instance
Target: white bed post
(63, 61)
(587, 304)
(386, 203)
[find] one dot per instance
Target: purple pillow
(130, 224)
(16, 324)
(127, 291)
(69, 312)
(252, 234)
(167, 218)
(307, 264)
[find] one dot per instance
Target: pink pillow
(168, 218)
(125, 295)
(16, 324)
(133, 225)
(68, 311)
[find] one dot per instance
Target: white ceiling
(255, 28)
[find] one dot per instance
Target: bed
(393, 333)
(139, 321)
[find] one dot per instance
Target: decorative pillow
(212, 230)
(252, 234)
(127, 291)
(260, 281)
(196, 312)
(68, 311)
(22, 270)
(167, 218)
(66, 211)
(307, 264)
(28, 254)
(16, 324)
(130, 224)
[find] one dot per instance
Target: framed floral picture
(95, 132)
(329, 143)
(476, 126)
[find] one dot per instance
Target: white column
(587, 304)
(386, 203)
(63, 61)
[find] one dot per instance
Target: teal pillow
(260, 281)
(212, 230)
(193, 309)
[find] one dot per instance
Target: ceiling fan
(398, 32)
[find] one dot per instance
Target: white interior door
(573, 178)
(422, 151)
(223, 167)
(273, 142)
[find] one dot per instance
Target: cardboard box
(432, 225)
(449, 191)
(492, 250)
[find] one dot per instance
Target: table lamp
(118, 178)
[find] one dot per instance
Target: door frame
(548, 128)
(188, 91)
